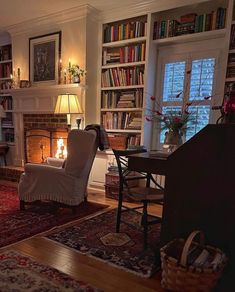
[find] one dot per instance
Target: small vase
(173, 139)
(76, 79)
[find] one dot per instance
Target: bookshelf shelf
(122, 131)
(6, 61)
(122, 79)
(122, 87)
(230, 79)
(232, 51)
(121, 110)
(212, 34)
(130, 64)
(124, 42)
(5, 78)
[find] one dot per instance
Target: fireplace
(45, 135)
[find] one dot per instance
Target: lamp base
(78, 122)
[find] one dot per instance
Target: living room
(131, 67)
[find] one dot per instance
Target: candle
(11, 76)
(18, 72)
(64, 76)
(69, 64)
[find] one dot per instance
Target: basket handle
(184, 255)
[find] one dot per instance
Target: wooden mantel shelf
(42, 88)
(41, 99)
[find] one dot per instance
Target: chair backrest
(82, 147)
(122, 163)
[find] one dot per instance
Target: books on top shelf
(123, 31)
(6, 102)
(190, 23)
(122, 77)
(5, 70)
(122, 99)
(135, 53)
(232, 38)
(5, 53)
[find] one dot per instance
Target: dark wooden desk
(150, 163)
(199, 190)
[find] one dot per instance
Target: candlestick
(60, 72)
(69, 64)
(64, 76)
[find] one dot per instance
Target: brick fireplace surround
(41, 132)
(33, 108)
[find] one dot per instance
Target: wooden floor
(81, 267)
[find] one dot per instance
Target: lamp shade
(68, 104)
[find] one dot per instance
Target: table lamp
(68, 104)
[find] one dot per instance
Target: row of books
(6, 102)
(133, 140)
(126, 54)
(123, 31)
(5, 53)
(122, 77)
(8, 135)
(113, 99)
(230, 72)
(191, 23)
(5, 70)
(121, 120)
(232, 38)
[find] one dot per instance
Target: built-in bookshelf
(123, 77)
(5, 66)
(190, 23)
(7, 122)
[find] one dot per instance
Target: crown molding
(54, 19)
(137, 9)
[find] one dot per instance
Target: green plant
(75, 70)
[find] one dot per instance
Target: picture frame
(25, 84)
(44, 56)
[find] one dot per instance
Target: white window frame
(168, 55)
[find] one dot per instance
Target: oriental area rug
(17, 225)
(21, 273)
(96, 237)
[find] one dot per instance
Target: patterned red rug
(21, 273)
(17, 225)
(96, 237)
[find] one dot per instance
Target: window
(184, 82)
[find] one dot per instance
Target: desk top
(151, 162)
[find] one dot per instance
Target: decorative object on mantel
(68, 104)
(76, 73)
(25, 83)
(190, 266)
(44, 56)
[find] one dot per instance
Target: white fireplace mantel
(41, 99)
(36, 100)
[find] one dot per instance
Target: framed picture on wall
(44, 56)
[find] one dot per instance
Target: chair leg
(145, 223)
(119, 211)
(22, 205)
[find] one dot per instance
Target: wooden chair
(140, 194)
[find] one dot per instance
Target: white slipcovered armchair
(66, 185)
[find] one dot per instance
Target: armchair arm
(34, 168)
(57, 162)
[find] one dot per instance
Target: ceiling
(16, 11)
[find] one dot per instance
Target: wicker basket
(189, 267)
(118, 142)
